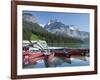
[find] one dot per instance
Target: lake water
(58, 62)
(70, 45)
(64, 62)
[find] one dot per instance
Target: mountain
(28, 17)
(32, 30)
(58, 28)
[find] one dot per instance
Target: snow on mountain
(57, 27)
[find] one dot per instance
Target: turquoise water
(70, 45)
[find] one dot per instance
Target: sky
(80, 20)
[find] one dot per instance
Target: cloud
(42, 25)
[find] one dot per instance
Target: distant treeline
(30, 29)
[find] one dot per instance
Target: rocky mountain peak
(29, 17)
(52, 21)
(59, 28)
(54, 24)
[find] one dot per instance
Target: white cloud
(42, 25)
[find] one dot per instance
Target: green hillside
(33, 31)
(34, 37)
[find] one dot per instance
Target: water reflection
(60, 62)
(72, 55)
